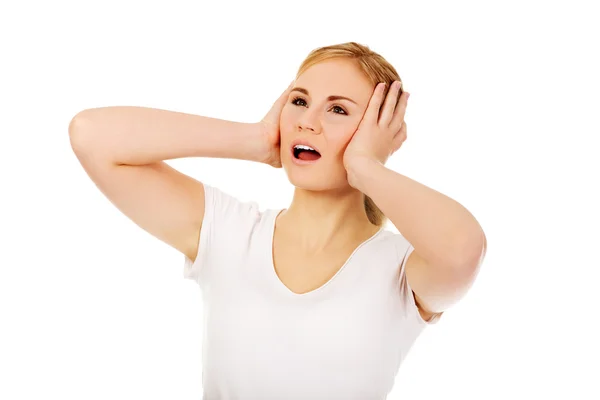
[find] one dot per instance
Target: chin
(315, 177)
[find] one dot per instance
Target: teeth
(303, 147)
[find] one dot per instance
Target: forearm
(140, 135)
(439, 228)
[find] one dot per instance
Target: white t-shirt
(261, 341)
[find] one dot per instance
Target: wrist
(249, 142)
(359, 169)
(255, 143)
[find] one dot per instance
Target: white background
(503, 117)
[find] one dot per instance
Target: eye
(297, 99)
(343, 111)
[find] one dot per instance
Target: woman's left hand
(379, 136)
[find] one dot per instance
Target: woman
(316, 301)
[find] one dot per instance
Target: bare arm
(122, 150)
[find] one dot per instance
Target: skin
(326, 220)
(123, 151)
(326, 213)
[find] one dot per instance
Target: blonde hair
(376, 69)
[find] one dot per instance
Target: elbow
(472, 262)
(80, 134)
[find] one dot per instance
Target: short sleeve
(406, 291)
(225, 217)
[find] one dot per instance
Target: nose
(309, 121)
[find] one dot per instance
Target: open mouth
(305, 153)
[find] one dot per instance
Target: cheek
(343, 133)
(339, 138)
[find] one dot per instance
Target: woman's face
(325, 124)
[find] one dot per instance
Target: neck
(323, 219)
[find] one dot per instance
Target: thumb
(286, 92)
(275, 110)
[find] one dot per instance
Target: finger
(400, 111)
(372, 112)
(272, 117)
(387, 111)
(401, 130)
(284, 96)
(399, 139)
(287, 91)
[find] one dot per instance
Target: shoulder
(231, 218)
(222, 204)
(229, 225)
(229, 214)
(393, 243)
(405, 262)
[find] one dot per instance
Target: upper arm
(436, 288)
(161, 200)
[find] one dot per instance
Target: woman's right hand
(270, 130)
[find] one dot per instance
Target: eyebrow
(330, 98)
